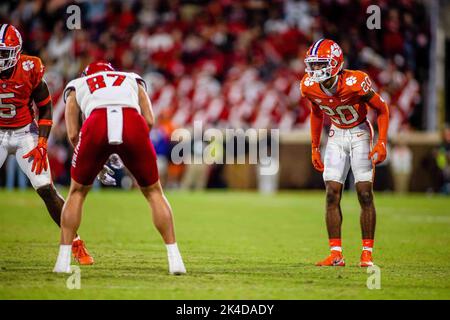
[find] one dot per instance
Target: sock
(367, 244)
(64, 256)
(176, 265)
(335, 244)
(172, 249)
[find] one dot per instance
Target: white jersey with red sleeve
(108, 88)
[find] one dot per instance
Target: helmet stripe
(316, 47)
(311, 52)
(3, 32)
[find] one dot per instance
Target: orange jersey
(15, 92)
(345, 107)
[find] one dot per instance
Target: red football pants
(93, 150)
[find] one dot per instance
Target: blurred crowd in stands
(228, 63)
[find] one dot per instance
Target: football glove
(105, 176)
(39, 155)
(380, 150)
(115, 162)
(317, 160)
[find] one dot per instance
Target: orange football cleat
(335, 259)
(366, 259)
(80, 253)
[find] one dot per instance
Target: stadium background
(237, 64)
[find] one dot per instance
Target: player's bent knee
(333, 199)
(79, 188)
(333, 196)
(365, 198)
(152, 189)
(45, 191)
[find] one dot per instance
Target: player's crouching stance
(344, 96)
(118, 119)
(21, 83)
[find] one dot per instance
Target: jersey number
(98, 82)
(7, 110)
(347, 114)
(366, 84)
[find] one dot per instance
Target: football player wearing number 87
(118, 118)
(344, 95)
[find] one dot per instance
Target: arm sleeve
(316, 118)
(377, 102)
(316, 125)
(41, 95)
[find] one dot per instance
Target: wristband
(42, 141)
(45, 122)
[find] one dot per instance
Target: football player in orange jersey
(21, 83)
(344, 96)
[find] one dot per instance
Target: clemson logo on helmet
(308, 82)
(336, 50)
(350, 81)
(28, 65)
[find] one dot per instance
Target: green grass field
(236, 245)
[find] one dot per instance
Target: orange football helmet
(324, 59)
(10, 46)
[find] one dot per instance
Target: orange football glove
(380, 150)
(39, 155)
(316, 159)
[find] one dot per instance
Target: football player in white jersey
(118, 117)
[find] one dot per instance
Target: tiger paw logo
(335, 50)
(28, 65)
(350, 81)
(308, 82)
